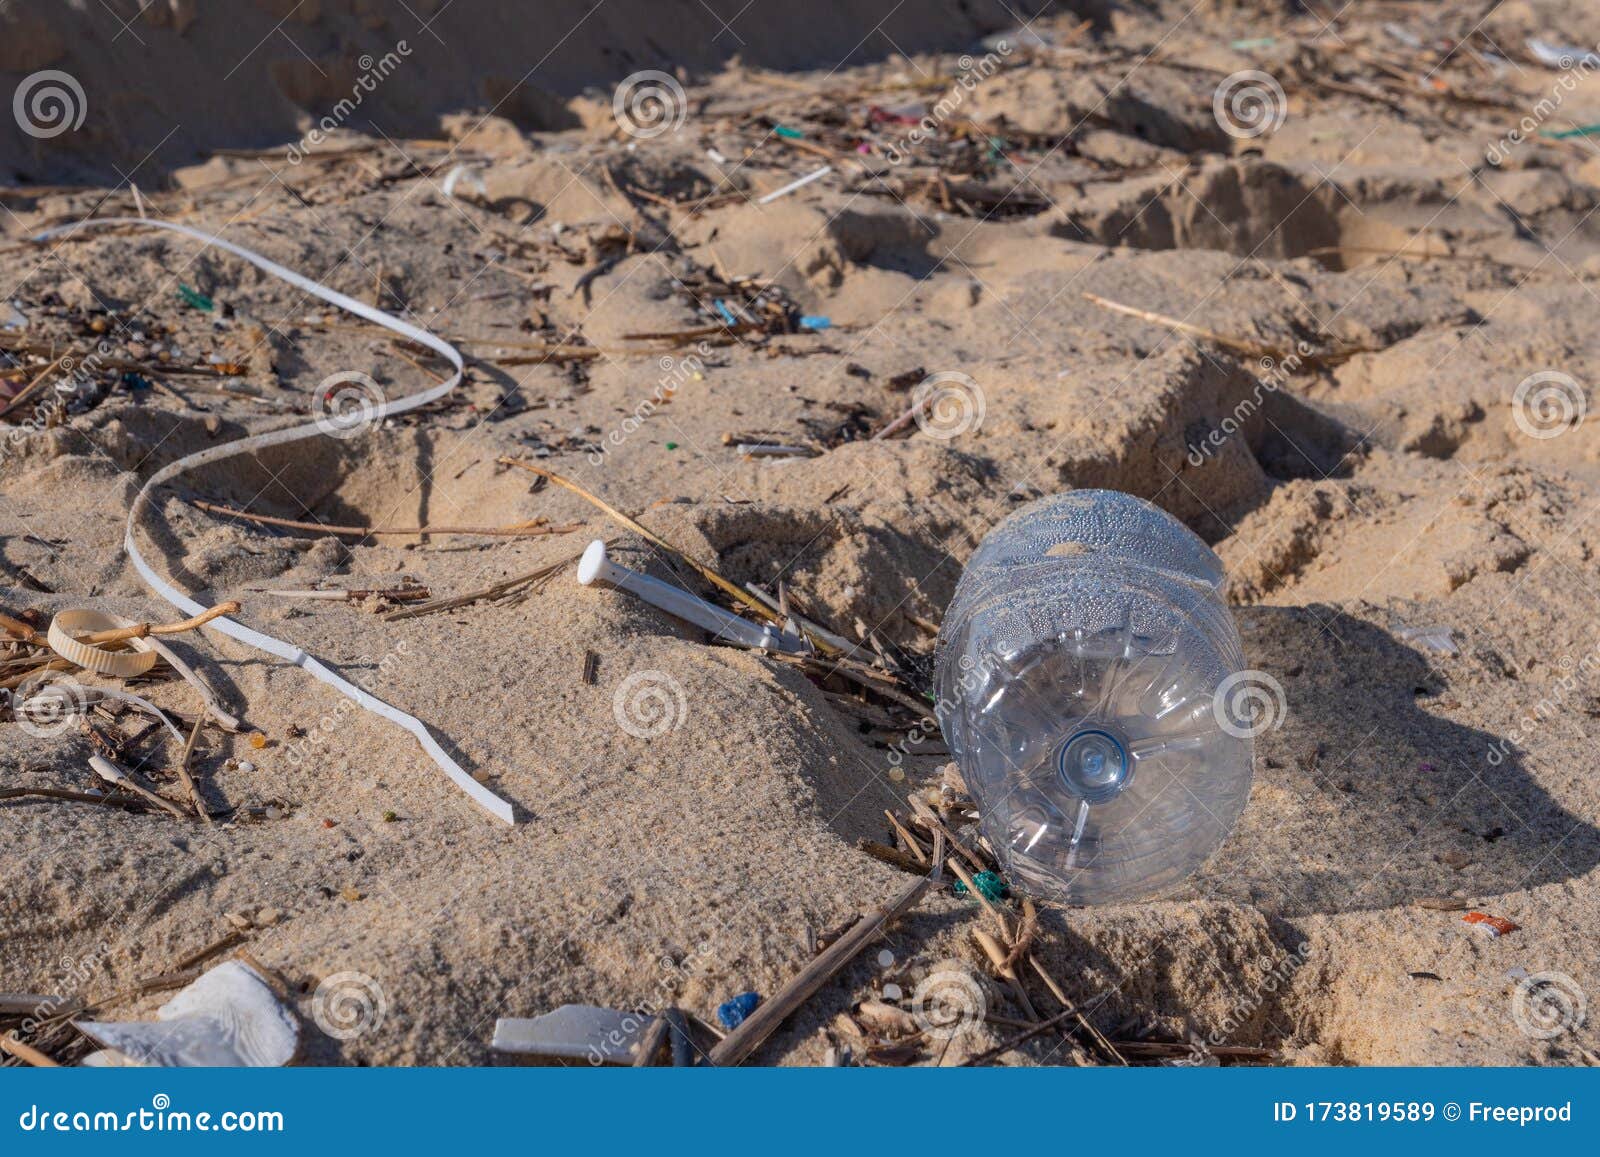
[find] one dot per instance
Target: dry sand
(1390, 489)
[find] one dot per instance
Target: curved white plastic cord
(479, 794)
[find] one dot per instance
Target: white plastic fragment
(1437, 639)
(596, 566)
(573, 1032)
(229, 1018)
(479, 794)
(1561, 56)
(466, 178)
(802, 182)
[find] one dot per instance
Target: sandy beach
(1342, 327)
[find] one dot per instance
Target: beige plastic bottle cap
(65, 628)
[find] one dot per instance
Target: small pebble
(267, 917)
(257, 740)
(350, 894)
(246, 766)
(239, 920)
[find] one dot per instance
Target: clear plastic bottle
(1079, 671)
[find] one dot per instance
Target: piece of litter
(466, 179)
(799, 183)
(732, 1012)
(1023, 35)
(726, 313)
(816, 321)
(989, 884)
(493, 804)
(773, 450)
(1425, 976)
(11, 317)
(229, 1018)
(1561, 56)
(1568, 134)
(595, 566)
(195, 298)
(573, 1032)
(1438, 639)
(1495, 926)
(1403, 35)
(788, 133)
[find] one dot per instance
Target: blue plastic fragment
(815, 322)
(732, 1013)
(727, 314)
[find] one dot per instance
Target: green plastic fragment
(195, 298)
(1565, 134)
(788, 133)
(990, 886)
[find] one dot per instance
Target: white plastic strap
(479, 794)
